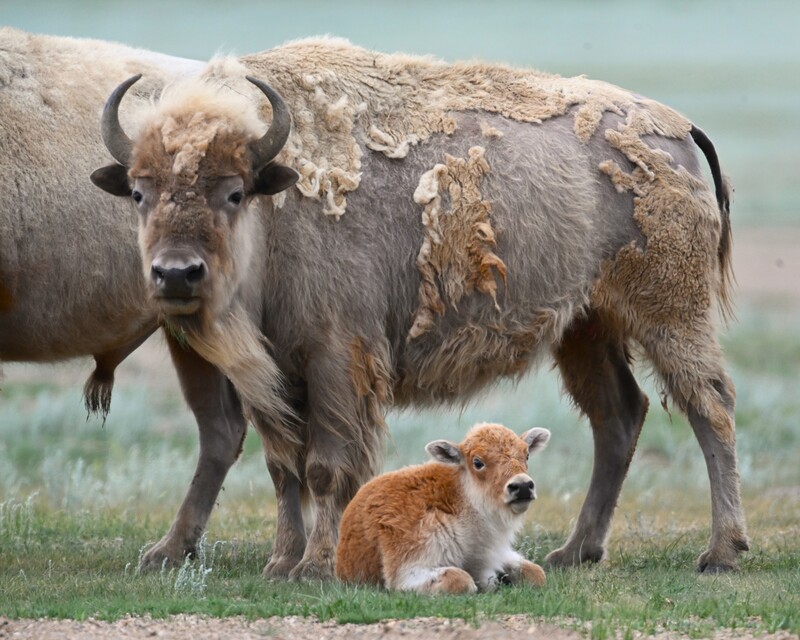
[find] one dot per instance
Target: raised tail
(722, 189)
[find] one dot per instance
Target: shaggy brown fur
(459, 243)
(446, 526)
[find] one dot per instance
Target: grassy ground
(79, 501)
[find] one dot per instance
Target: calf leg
(434, 580)
(222, 427)
(691, 366)
(596, 373)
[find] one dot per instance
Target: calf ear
(113, 179)
(537, 439)
(444, 451)
(274, 178)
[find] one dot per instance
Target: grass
(76, 565)
(80, 501)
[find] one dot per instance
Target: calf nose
(522, 490)
(177, 280)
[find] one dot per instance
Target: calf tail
(722, 189)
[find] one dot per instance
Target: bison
(70, 275)
(407, 231)
(446, 526)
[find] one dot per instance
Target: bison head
(494, 465)
(194, 172)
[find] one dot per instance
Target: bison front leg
(345, 394)
(222, 427)
(595, 371)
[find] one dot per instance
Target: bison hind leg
(98, 388)
(593, 362)
(692, 369)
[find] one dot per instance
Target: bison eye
(137, 196)
(236, 197)
(478, 464)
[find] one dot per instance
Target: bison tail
(97, 392)
(723, 191)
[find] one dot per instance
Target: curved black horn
(270, 144)
(118, 144)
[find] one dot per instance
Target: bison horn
(270, 144)
(118, 144)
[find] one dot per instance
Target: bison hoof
(163, 554)
(280, 567)
(710, 563)
(307, 570)
(565, 557)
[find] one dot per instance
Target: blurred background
(733, 67)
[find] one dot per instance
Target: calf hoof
(454, 581)
(309, 569)
(280, 567)
(164, 553)
(532, 574)
(566, 556)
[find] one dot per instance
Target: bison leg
(596, 373)
(692, 368)
(290, 536)
(344, 451)
(218, 412)
(97, 390)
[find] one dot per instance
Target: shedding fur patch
(458, 249)
(664, 292)
(342, 97)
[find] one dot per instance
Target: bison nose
(523, 490)
(173, 280)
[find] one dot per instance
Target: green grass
(79, 501)
(76, 565)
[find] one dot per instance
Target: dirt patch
(515, 627)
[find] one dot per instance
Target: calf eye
(137, 196)
(236, 197)
(478, 464)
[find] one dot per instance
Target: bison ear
(537, 439)
(113, 179)
(274, 178)
(444, 451)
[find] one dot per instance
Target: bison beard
(234, 344)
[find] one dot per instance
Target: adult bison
(70, 276)
(450, 224)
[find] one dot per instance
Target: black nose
(521, 490)
(177, 281)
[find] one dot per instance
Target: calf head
(494, 466)
(193, 172)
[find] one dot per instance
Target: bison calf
(445, 526)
